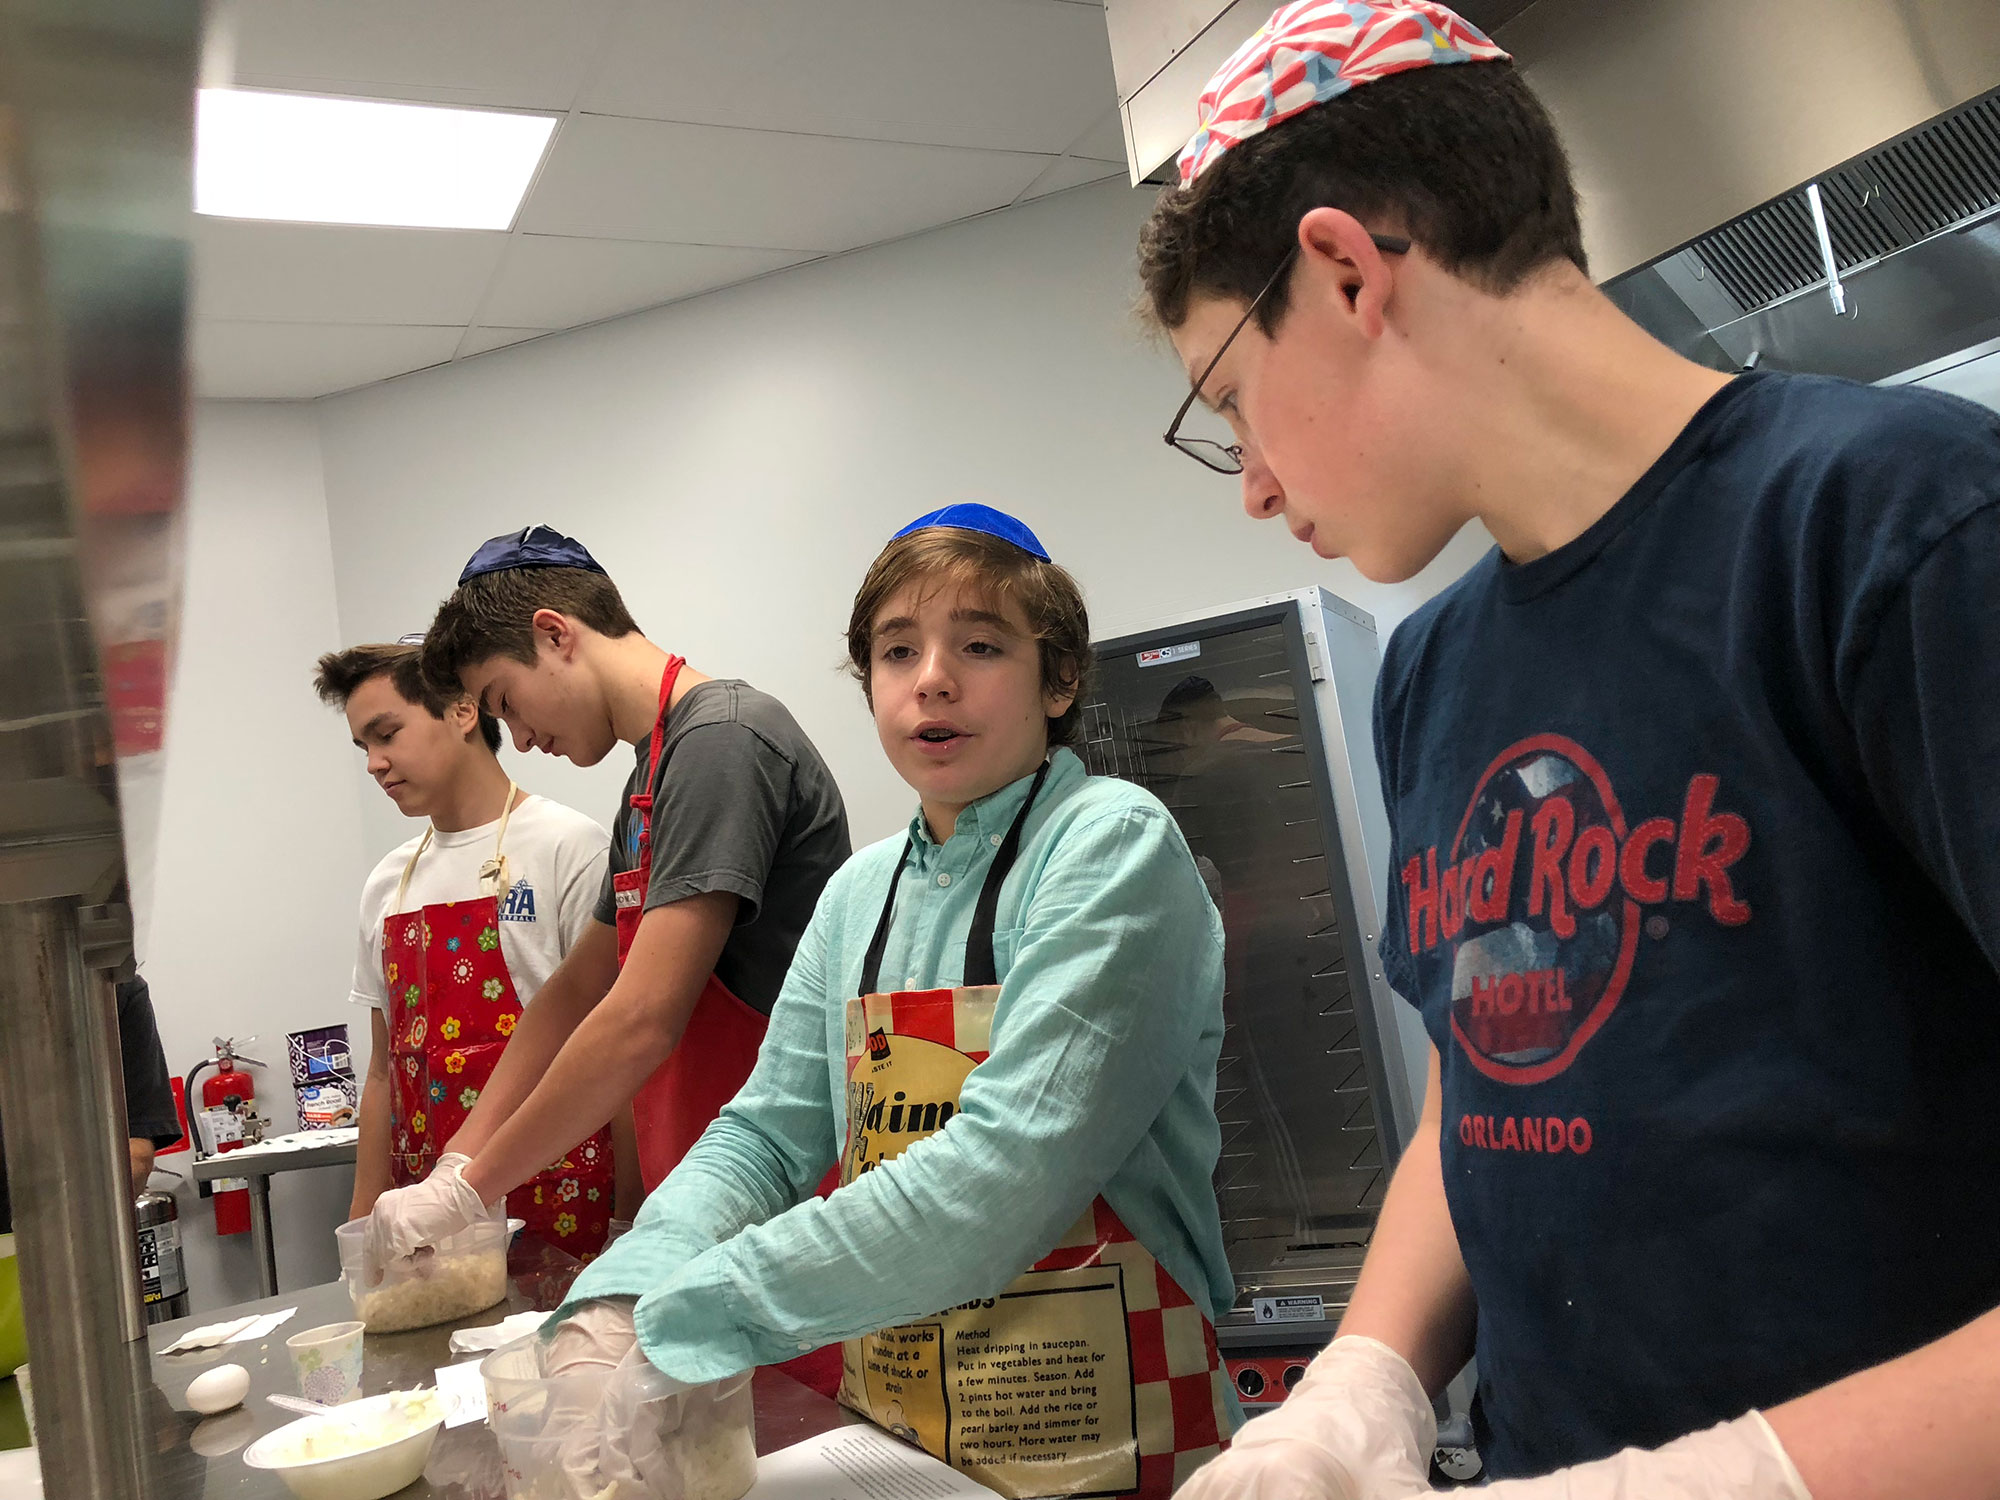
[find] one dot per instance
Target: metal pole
(67, 1170)
(260, 1231)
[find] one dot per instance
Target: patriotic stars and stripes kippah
(1315, 50)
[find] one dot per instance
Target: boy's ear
(463, 716)
(556, 628)
(1056, 701)
(1341, 258)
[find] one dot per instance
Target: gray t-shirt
(742, 803)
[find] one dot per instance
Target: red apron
(719, 1047)
(1093, 1372)
(716, 1052)
(453, 1006)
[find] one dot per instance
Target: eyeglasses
(1227, 458)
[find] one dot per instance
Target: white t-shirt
(555, 865)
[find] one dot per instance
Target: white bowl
(365, 1475)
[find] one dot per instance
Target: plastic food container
(671, 1441)
(459, 1277)
(368, 1449)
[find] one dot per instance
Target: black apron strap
(871, 966)
(979, 966)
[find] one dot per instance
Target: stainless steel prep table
(202, 1458)
(257, 1164)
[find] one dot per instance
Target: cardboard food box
(323, 1077)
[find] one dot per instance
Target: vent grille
(1943, 174)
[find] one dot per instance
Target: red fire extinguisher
(234, 1091)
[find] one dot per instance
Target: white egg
(218, 1389)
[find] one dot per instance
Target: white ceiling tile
(1017, 75)
(338, 273)
(549, 281)
(697, 184)
(309, 359)
(480, 340)
(527, 54)
(1104, 141)
(764, 132)
(1069, 172)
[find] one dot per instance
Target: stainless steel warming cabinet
(1253, 725)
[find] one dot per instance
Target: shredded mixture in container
(437, 1291)
(718, 1460)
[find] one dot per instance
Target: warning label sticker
(1289, 1309)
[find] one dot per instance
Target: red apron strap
(641, 801)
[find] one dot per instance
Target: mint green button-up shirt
(1100, 1080)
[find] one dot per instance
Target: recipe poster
(1028, 1392)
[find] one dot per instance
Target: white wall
(736, 460)
(260, 855)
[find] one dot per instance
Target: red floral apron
(719, 1047)
(452, 1008)
(1093, 1372)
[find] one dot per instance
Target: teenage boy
(1694, 786)
(1003, 1025)
(460, 928)
(728, 830)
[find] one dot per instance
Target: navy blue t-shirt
(1696, 881)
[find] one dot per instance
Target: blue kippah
(980, 518)
(536, 547)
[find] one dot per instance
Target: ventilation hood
(1912, 229)
(1695, 128)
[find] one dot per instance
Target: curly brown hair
(1462, 159)
(948, 556)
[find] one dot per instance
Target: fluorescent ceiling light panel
(362, 161)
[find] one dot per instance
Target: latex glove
(631, 1453)
(404, 1220)
(1357, 1427)
(1740, 1460)
(598, 1335)
(670, 1441)
(592, 1342)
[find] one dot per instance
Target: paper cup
(327, 1361)
(27, 1400)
